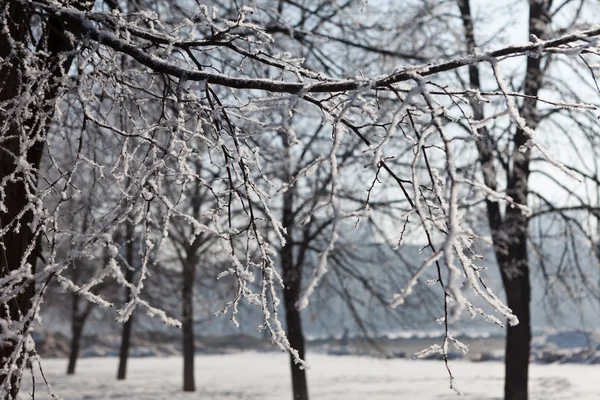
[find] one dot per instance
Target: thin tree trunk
(127, 326)
(189, 264)
(76, 333)
(291, 292)
(187, 324)
(292, 281)
(77, 321)
(124, 350)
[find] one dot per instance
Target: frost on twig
(140, 109)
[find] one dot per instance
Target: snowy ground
(265, 376)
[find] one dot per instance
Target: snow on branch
(115, 129)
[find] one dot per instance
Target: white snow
(265, 376)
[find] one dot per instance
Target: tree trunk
(15, 241)
(518, 338)
(124, 350)
(127, 326)
(77, 321)
(514, 268)
(514, 265)
(187, 324)
(292, 281)
(291, 292)
(510, 234)
(76, 332)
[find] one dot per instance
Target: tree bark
(514, 264)
(76, 333)
(127, 326)
(187, 323)
(518, 338)
(509, 234)
(292, 281)
(189, 261)
(511, 253)
(16, 241)
(77, 323)
(124, 350)
(291, 293)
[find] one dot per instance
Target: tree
(192, 253)
(80, 312)
(509, 229)
(309, 216)
(80, 308)
(209, 79)
(296, 156)
(509, 162)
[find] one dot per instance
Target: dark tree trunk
(124, 350)
(187, 325)
(510, 234)
(78, 316)
(292, 281)
(127, 326)
(514, 265)
(291, 292)
(76, 332)
(16, 241)
(189, 261)
(511, 253)
(518, 338)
